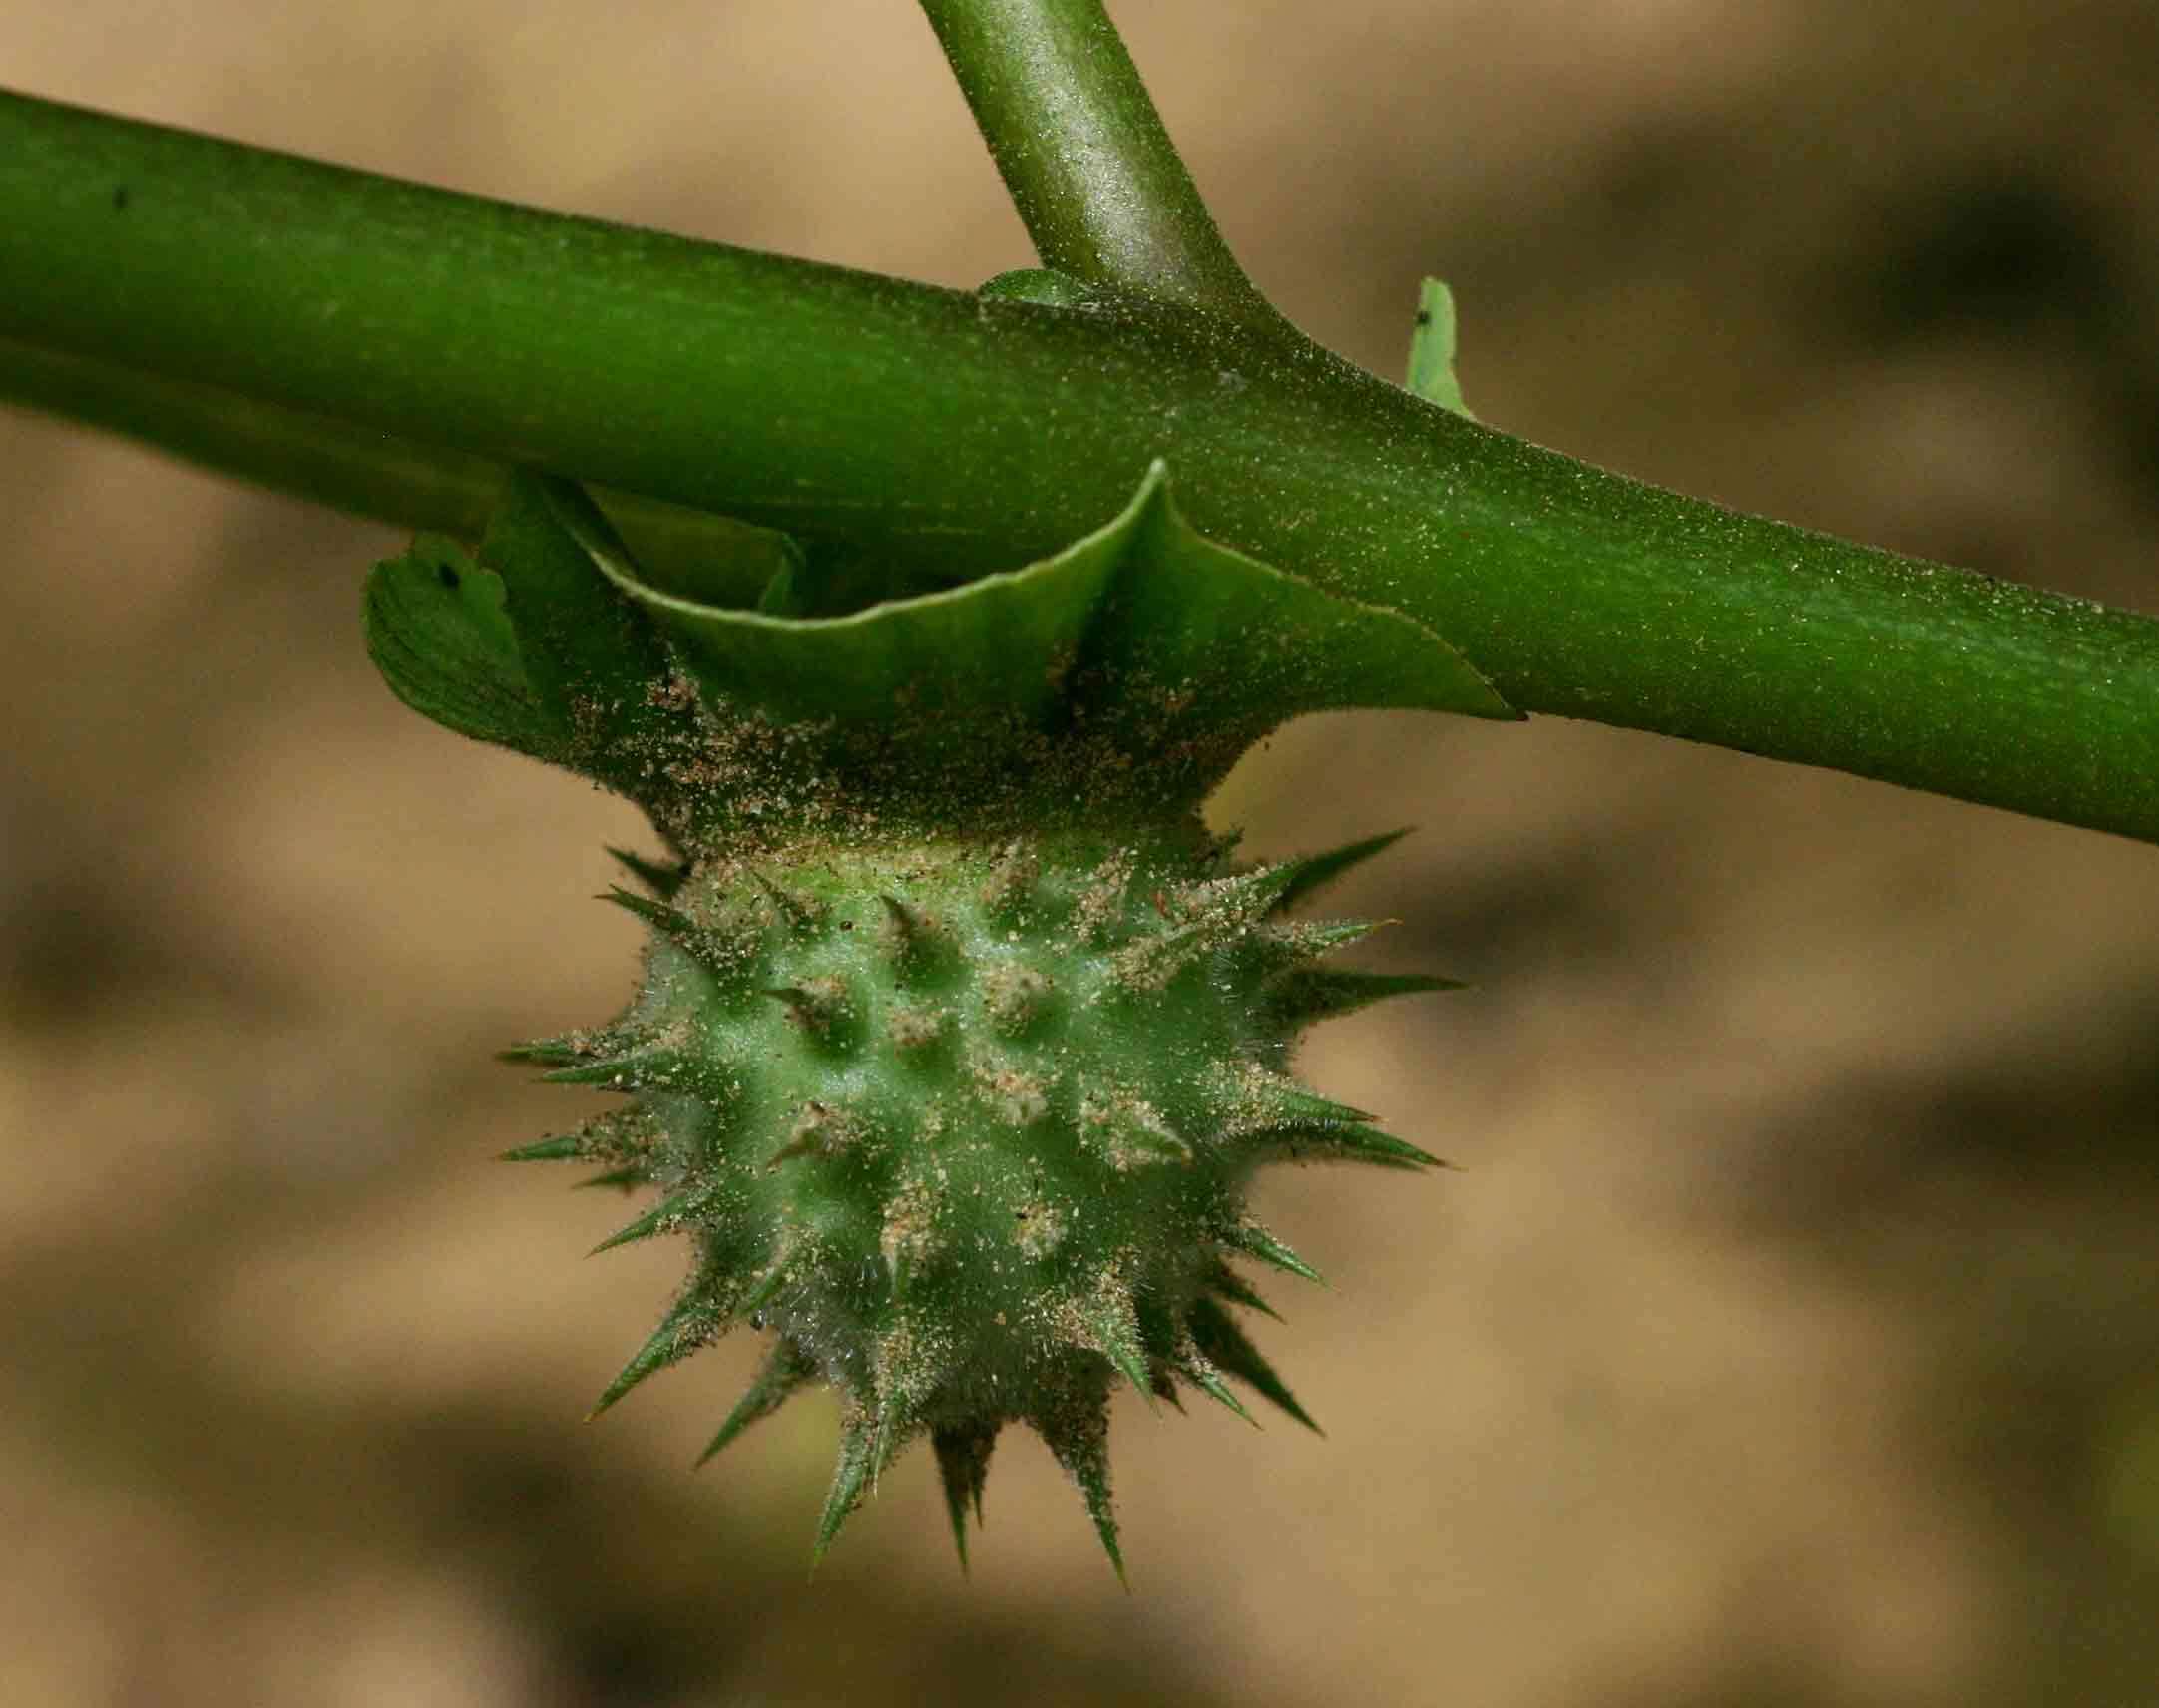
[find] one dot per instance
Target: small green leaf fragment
(591, 659)
(439, 632)
(1045, 286)
(1432, 350)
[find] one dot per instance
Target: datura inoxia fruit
(960, 1038)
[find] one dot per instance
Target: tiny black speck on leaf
(446, 575)
(119, 199)
(1423, 318)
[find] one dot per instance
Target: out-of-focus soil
(1791, 1333)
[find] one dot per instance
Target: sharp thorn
(1119, 1342)
(821, 1007)
(1308, 995)
(1080, 1447)
(673, 920)
(715, 951)
(1205, 1380)
(638, 1070)
(1129, 1133)
(909, 935)
(891, 1434)
(1011, 881)
(1291, 945)
(765, 1288)
(1228, 1284)
(1015, 998)
(800, 912)
(1255, 1101)
(1316, 870)
(569, 1147)
(963, 1464)
(663, 881)
(1216, 1334)
(682, 1332)
(847, 1479)
(1255, 1241)
(625, 1179)
(660, 1219)
(1355, 1145)
(548, 1052)
(904, 920)
(784, 1371)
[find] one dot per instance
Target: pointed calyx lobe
(960, 1040)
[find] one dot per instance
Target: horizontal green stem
(362, 471)
(1083, 150)
(950, 435)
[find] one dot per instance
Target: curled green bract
(1140, 661)
(960, 1038)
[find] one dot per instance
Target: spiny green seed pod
(959, 1041)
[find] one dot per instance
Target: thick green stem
(362, 471)
(951, 435)
(1097, 182)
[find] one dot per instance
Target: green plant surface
(960, 1038)
(1807, 1233)
(1091, 170)
(918, 435)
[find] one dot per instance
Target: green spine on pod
(959, 1039)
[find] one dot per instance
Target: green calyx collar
(1134, 666)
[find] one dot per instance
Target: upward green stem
(1097, 181)
(948, 435)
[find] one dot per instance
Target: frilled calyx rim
(1134, 666)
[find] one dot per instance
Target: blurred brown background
(1792, 1334)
